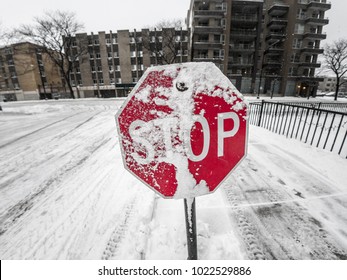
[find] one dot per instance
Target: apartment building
(262, 46)
(27, 74)
(329, 84)
(113, 62)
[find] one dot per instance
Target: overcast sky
(105, 15)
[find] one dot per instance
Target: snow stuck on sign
(175, 127)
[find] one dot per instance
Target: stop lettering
(183, 129)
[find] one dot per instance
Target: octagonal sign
(183, 129)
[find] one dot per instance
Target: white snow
(66, 195)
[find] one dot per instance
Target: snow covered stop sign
(183, 129)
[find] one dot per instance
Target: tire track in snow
(37, 130)
(248, 232)
(133, 225)
(77, 126)
(55, 213)
(120, 230)
(11, 216)
(272, 229)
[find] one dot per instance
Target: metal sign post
(190, 215)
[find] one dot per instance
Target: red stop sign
(183, 129)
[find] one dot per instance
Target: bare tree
(55, 34)
(335, 58)
(161, 41)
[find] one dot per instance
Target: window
(101, 81)
(117, 68)
(115, 54)
(135, 80)
(98, 56)
(222, 22)
(132, 40)
(118, 81)
(108, 41)
(221, 6)
(295, 58)
(114, 40)
(133, 67)
(297, 43)
(91, 56)
(93, 68)
(140, 53)
(99, 69)
(133, 54)
(202, 54)
(299, 28)
(301, 14)
(110, 68)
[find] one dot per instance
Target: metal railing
(308, 122)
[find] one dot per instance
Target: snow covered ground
(65, 195)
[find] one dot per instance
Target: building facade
(329, 85)
(113, 62)
(262, 46)
(27, 74)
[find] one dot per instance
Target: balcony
(208, 29)
(319, 6)
(315, 36)
(208, 13)
(274, 50)
(275, 36)
(308, 78)
(309, 65)
(208, 59)
(312, 50)
(248, 20)
(207, 45)
(276, 23)
(243, 34)
(278, 10)
(237, 64)
(316, 21)
(242, 48)
(273, 63)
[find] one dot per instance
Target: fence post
(261, 112)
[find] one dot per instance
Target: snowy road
(65, 195)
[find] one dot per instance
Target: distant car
(320, 93)
(55, 95)
(331, 94)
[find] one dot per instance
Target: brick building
(115, 61)
(27, 74)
